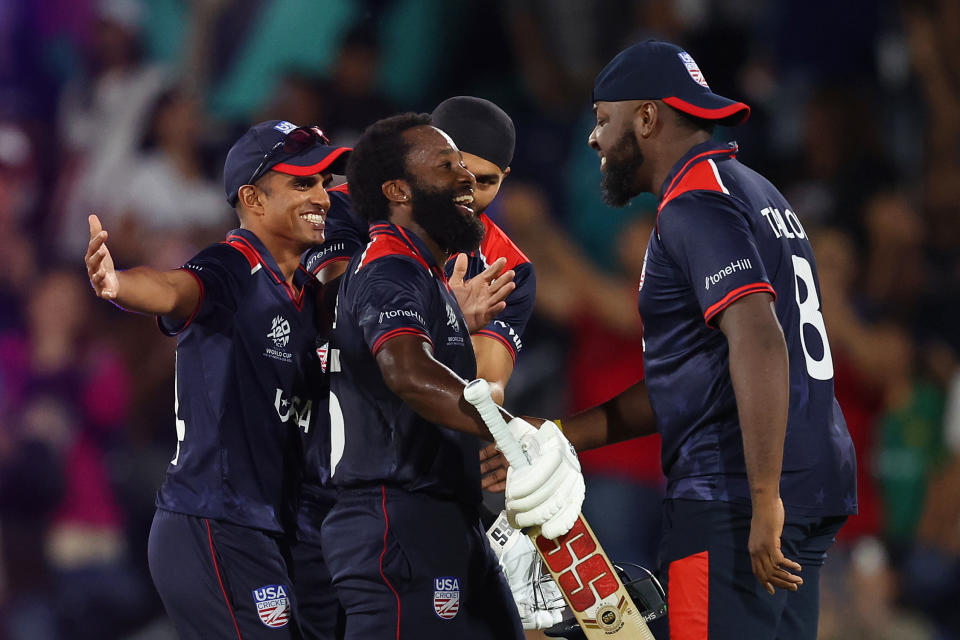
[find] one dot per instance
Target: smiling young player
(246, 376)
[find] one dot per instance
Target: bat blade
(577, 562)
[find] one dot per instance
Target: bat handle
(477, 393)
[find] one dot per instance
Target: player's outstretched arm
(760, 373)
(482, 297)
(174, 294)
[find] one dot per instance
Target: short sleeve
(392, 298)
(711, 241)
(220, 270)
(507, 328)
(344, 235)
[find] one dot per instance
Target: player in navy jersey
(485, 135)
(246, 384)
(739, 378)
(403, 541)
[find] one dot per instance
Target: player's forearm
(759, 370)
(626, 416)
(161, 293)
(494, 364)
(427, 386)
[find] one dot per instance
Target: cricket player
(486, 136)
(243, 311)
(403, 541)
(739, 377)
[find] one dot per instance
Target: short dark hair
(378, 156)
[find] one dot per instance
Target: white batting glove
(538, 597)
(550, 490)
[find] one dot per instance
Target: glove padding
(550, 490)
(521, 566)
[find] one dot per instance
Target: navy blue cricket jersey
(246, 371)
(345, 235)
(394, 288)
(723, 232)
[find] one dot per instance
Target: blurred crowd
(125, 108)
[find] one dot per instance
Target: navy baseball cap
(263, 148)
(655, 70)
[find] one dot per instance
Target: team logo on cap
(446, 597)
(284, 127)
(273, 607)
(693, 69)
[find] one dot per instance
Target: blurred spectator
(170, 207)
(18, 184)
(72, 391)
(102, 117)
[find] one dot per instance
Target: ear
(645, 118)
(249, 198)
(506, 172)
(397, 191)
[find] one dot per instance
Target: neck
(286, 255)
(669, 155)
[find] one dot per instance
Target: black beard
(618, 176)
(445, 223)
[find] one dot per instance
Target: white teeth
(313, 218)
(463, 199)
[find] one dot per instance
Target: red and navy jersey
(723, 232)
(394, 288)
(507, 328)
(246, 374)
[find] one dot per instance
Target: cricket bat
(577, 562)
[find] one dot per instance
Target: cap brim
(316, 159)
(713, 107)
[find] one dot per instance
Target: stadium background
(126, 108)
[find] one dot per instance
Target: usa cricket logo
(273, 606)
(446, 597)
(585, 576)
(693, 69)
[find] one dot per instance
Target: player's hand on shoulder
(550, 490)
(100, 269)
(482, 297)
(769, 565)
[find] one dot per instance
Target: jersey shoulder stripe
(398, 332)
(384, 244)
(702, 176)
(496, 244)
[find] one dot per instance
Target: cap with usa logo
(656, 70)
(262, 149)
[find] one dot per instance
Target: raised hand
(100, 270)
(766, 559)
(482, 297)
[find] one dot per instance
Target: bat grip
(477, 393)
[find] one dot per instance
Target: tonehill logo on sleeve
(741, 264)
(273, 606)
(446, 597)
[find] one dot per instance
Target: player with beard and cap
(739, 377)
(404, 544)
(246, 383)
(486, 137)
